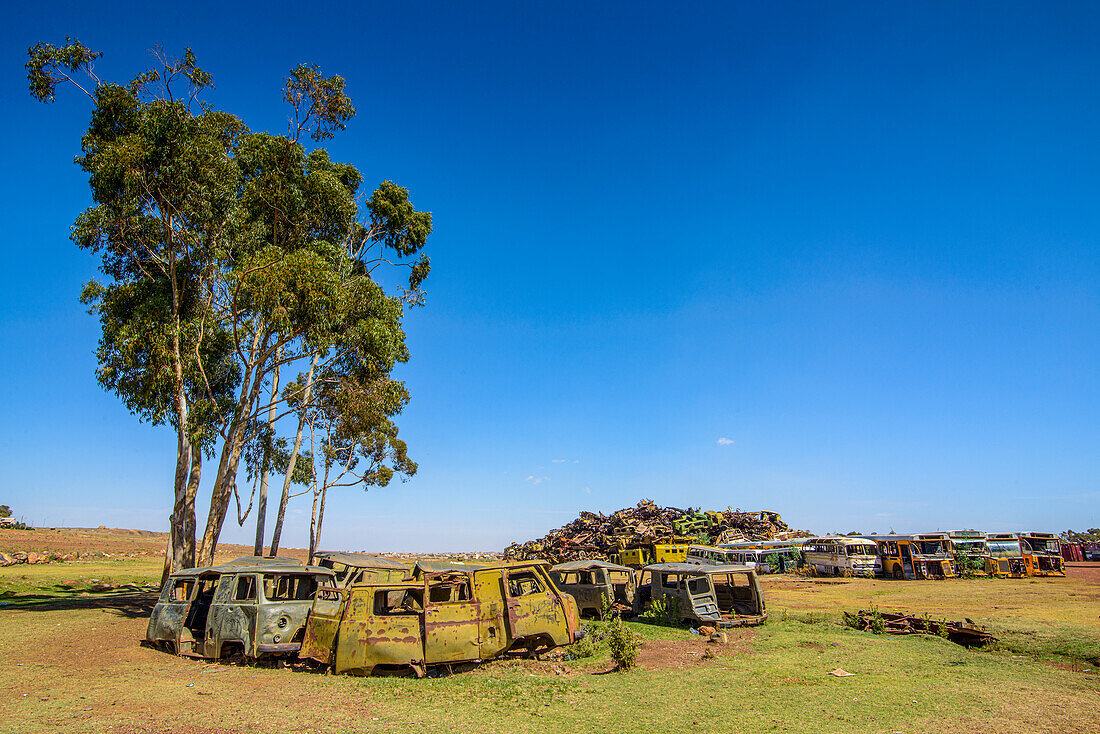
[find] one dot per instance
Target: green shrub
(623, 643)
(664, 610)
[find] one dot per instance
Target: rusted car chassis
(439, 618)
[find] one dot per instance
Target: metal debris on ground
(967, 633)
(594, 535)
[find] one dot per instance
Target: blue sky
(837, 260)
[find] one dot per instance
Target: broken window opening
(524, 584)
(246, 588)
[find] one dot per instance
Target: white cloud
(725, 441)
(558, 461)
(537, 480)
(588, 490)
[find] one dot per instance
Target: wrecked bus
(253, 607)
(1006, 556)
(589, 581)
(439, 618)
(841, 555)
(918, 556)
(970, 551)
(1042, 556)
(721, 596)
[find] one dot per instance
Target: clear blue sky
(860, 243)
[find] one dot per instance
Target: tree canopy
(231, 257)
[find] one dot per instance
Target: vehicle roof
(588, 563)
(430, 566)
(842, 538)
(699, 569)
(361, 560)
(264, 568)
(263, 561)
(907, 536)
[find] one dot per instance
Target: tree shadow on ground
(126, 603)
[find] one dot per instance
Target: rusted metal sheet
(968, 632)
(598, 536)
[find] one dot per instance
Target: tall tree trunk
(320, 520)
(276, 535)
(183, 430)
(188, 527)
(312, 531)
(231, 456)
(261, 507)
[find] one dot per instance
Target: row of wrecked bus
(915, 556)
(362, 614)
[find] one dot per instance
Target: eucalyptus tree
(163, 182)
(232, 256)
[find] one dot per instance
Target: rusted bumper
(282, 647)
(746, 621)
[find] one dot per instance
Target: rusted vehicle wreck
(589, 582)
(439, 618)
(253, 607)
(721, 596)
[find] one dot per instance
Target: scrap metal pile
(968, 633)
(595, 535)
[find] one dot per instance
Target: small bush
(664, 610)
(623, 643)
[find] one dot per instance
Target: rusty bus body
(970, 549)
(589, 581)
(1006, 556)
(1042, 555)
(439, 618)
(917, 556)
(721, 596)
(252, 607)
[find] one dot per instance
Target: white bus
(839, 555)
(782, 554)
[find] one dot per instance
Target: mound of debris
(594, 535)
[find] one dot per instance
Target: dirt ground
(110, 541)
(74, 662)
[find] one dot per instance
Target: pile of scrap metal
(967, 633)
(596, 536)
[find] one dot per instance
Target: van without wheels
(243, 607)
(722, 596)
(589, 581)
(440, 618)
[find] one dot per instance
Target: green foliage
(606, 607)
(231, 254)
(51, 65)
(5, 511)
(664, 610)
(623, 643)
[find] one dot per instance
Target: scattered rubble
(594, 535)
(967, 633)
(34, 557)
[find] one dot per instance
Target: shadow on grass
(126, 603)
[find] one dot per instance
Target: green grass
(84, 671)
